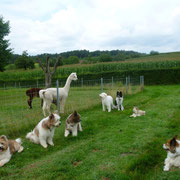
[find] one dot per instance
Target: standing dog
(7, 148)
(173, 153)
(43, 133)
(137, 112)
(119, 101)
(73, 124)
(107, 101)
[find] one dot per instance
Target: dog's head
(74, 118)
(103, 95)
(172, 146)
(53, 121)
(135, 109)
(3, 143)
(119, 94)
(73, 76)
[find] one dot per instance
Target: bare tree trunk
(48, 73)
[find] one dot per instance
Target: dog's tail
(18, 140)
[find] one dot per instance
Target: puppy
(119, 101)
(137, 112)
(107, 101)
(73, 124)
(173, 153)
(43, 133)
(7, 148)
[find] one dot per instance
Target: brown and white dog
(137, 112)
(73, 124)
(173, 153)
(7, 148)
(43, 133)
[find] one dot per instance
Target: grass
(111, 146)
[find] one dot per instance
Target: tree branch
(41, 65)
(47, 65)
(56, 64)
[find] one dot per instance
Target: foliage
(5, 52)
(154, 53)
(71, 60)
(24, 62)
(105, 58)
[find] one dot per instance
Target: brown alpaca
(33, 92)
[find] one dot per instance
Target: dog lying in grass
(43, 133)
(107, 102)
(73, 124)
(8, 148)
(173, 153)
(137, 112)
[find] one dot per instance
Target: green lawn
(111, 146)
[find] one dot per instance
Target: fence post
(57, 83)
(101, 84)
(143, 82)
(129, 80)
(37, 83)
(112, 81)
(126, 85)
(81, 82)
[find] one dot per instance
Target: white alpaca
(49, 95)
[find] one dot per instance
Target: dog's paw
(20, 149)
(44, 145)
(166, 168)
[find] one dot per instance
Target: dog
(8, 148)
(119, 101)
(107, 101)
(173, 153)
(73, 124)
(44, 131)
(137, 112)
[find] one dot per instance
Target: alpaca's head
(73, 76)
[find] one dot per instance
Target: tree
(48, 73)
(154, 53)
(24, 61)
(105, 57)
(5, 52)
(71, 60)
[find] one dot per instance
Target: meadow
(111, 146)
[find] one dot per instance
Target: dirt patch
(77, 163)
(127, 154)
(96, 150)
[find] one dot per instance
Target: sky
(55, 26)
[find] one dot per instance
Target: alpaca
(33, 92)
(49, 95)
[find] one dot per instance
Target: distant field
(112, 146)
(162, 61)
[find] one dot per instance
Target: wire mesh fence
(16, 117)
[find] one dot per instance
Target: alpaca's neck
(67, 85)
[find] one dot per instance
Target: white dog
(7, 148)
(137, 112)
(173, 153)
(119, 101)
(43, 133)
(73, 124)
(107, 101)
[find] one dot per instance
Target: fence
(16, 118)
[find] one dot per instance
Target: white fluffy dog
(137, 112)
(43, 133)
(7, 148)
(173, 153)
(73, 124)
(107, 101)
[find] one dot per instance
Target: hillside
(134, 67)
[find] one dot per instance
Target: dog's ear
(3, 137)
(117, 93)
(75, 113)
(51, 117)
(176, 136)
(120, 93)
(173, 142)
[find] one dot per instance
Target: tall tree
(48, 73)
(5, 52)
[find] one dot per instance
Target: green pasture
(111, 146)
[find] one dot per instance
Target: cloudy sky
(55, 26)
